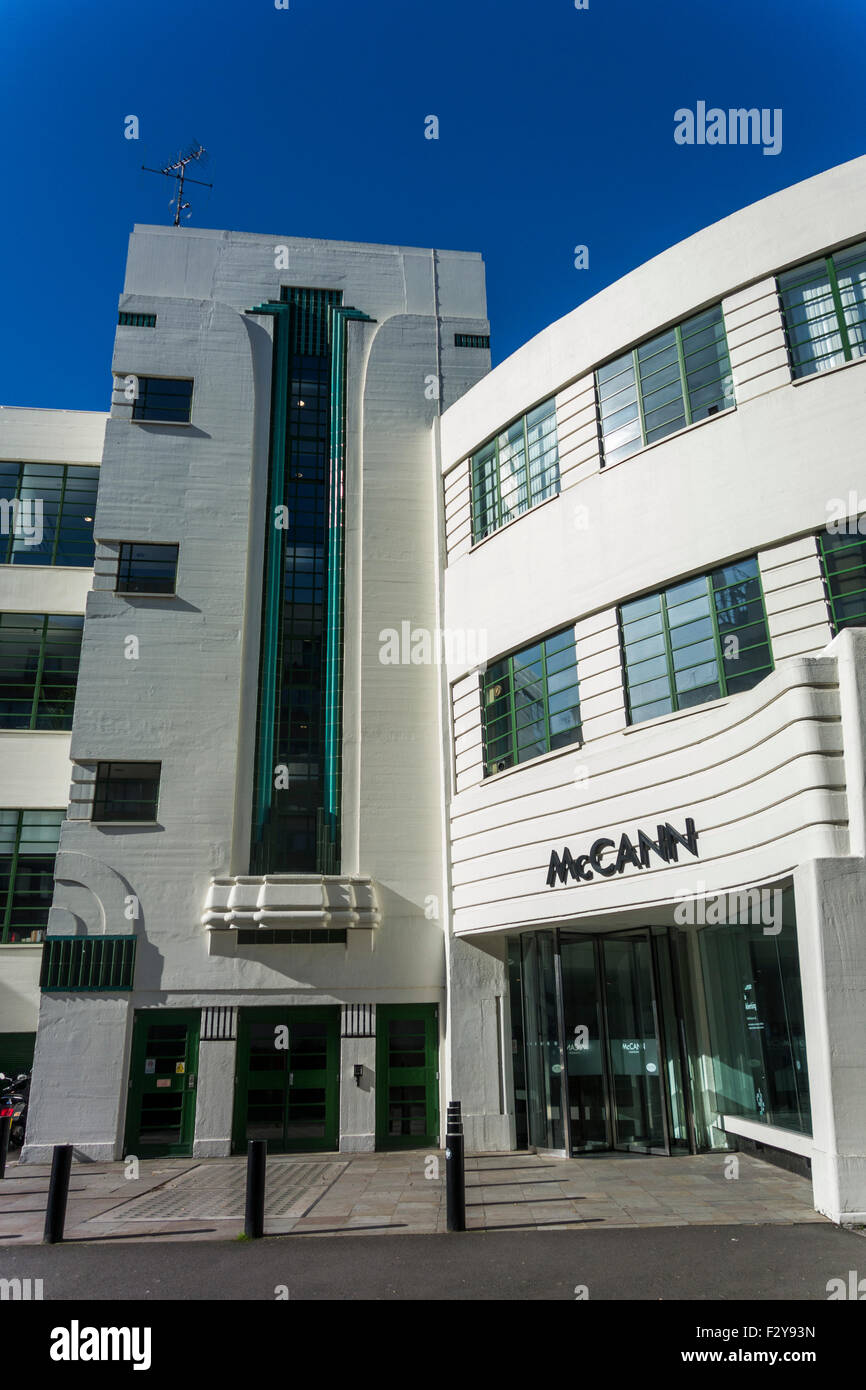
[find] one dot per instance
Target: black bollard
(5, 1130)
(254, 1215)
(58, 1191)
(455, 1182)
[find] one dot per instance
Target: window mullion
(828, 587)
(13, 869)
(840, 311)
(684, 385)
(714, 618)
(512, 709)
(639, 390)
(669, 655)
(60, 503)
(499, 517)
(545, 697)
(40, 666)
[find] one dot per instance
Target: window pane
(162, 398)
(755, 1016)
(843, 556)
(692, 630)
(28, 846)
(534, 710)
(515, 471)
(46, 514)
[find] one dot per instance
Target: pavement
(730, 1266)
(189, 1200)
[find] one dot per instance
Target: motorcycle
(15, 1091)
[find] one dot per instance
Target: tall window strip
(39, 656)
(28, 848)
(824, 304)
(695, 641)
(843, 557)
(530, 703)
(46, 514)
(289, 830)
(673, 380)
(517, 469)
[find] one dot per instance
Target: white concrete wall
(189, 701)
(19, 987)
(773, 777)
(34, 765)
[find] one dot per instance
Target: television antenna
(177, 170)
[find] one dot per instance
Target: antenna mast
(177, 170)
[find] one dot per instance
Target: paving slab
(329, 1194)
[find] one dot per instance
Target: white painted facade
(34, 764)
(189, 699)
(443, 867)
(774, 776)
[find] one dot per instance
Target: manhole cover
(218, 1193)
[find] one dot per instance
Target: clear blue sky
(556, 128)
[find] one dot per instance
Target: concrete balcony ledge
(291, 901)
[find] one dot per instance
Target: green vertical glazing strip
(333, 709)
(840, 308)
(274, 555)
(310, 324)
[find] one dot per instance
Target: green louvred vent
(94, 963)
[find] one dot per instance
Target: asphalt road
(726, 1263)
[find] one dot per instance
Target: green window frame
(843, 561)
(664, 384)
(57, 499)
(92, 964)
(824, 308)
(126, 792)
(515, 471)
(530, 702)
(163, 399)
(127, 320)
(39, 658)
(28, 849)
(677, 643)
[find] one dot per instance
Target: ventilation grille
(78, 963)
(473, 340)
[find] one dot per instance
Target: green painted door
(160, 1117)
(287, 1087)
(407, 1077)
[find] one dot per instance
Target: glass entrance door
(637, 1100)
(615, 1080)
(586, 1069)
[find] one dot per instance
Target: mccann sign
(583, 867)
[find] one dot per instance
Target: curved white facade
(771, 777)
